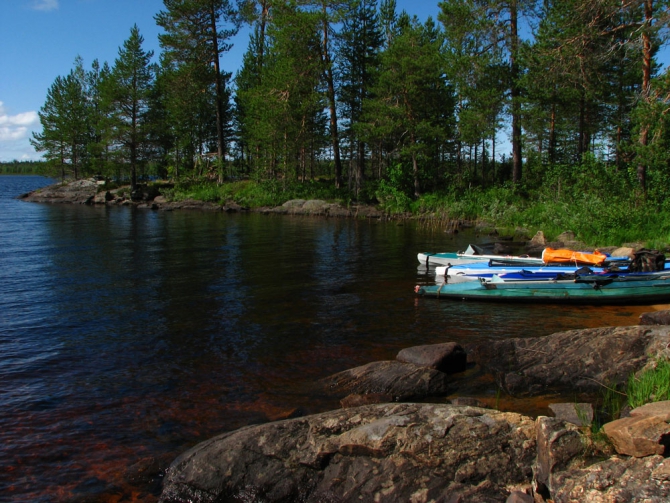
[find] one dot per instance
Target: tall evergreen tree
(359, 45)
(65, 123)
(193, 39)
(128, 93)
(412, 103)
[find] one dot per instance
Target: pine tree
(193, 43)
(65, 123)
(412, 104)
(359, 45)
(127, 92)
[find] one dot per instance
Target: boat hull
(595, 292)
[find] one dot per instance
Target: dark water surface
(127, 336)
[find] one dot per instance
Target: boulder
(382, 453)
(77, 192)
(537, 243)
(660, 410)
(558, 444)
(655, 318)
(644, 433)
(402, 381)
(571, 361)
(638, 436)
(448, 357)
(566, 237)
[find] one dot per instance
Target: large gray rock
(576, 360)
(402, 381)
(76, 192)
(381, 453)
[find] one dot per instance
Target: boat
(472, 272)
(508, 271)
(592, 289)
(472, 254)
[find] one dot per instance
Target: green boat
(591, 289)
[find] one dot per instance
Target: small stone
(580, 414)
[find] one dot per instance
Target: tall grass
(650, 386)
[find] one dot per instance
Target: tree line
(355, 92)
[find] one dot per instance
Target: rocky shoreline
(395, 438)
(381, 447)
(88, 191)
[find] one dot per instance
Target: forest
(355, 101)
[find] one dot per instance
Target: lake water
(127, 336)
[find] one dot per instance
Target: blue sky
(40, 40)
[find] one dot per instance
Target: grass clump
(652, 385)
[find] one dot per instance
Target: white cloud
(15, 131)
(45, 5)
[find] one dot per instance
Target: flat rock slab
(576, 360)
(448, 357)
(78, 192)
(402, 381)
(381, 453)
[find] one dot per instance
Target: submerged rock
(384, 453)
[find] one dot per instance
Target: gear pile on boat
(559, 276)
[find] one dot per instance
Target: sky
(40, 39)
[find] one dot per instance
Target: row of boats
(558, 276)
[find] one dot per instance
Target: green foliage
(24, 168)
(653, 385)
(257, 194)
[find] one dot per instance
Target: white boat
(474, 271)
(473, 254)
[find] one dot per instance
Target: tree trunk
(415, 169)
(328, 74)
(515, 94)
(218, 84)
(646, 85)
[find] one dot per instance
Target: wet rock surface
(386, 453)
